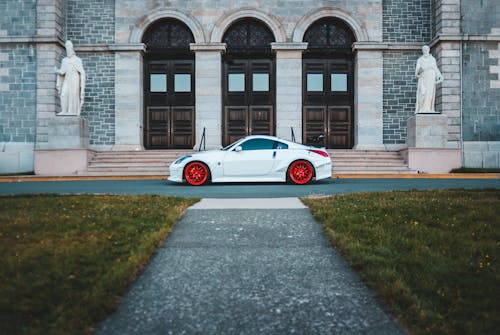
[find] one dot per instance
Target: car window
(258, 144)
(280, 145)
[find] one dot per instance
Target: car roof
(274, 138)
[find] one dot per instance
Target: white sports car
(255, 158)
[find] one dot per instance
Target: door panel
(182, 127)
(235, 123)
(248, 163)
(157, 126)
(261, 120)
(339, 130)
(314, 120)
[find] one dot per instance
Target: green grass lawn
(432, 257)
(65, 260)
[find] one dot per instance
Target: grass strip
(65, 260)
(431, 256)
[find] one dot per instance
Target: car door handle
(274, 154)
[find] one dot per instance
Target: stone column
(446, 49)
(208, 89)
(289, 89)
(129, 97)
(368, 98)
(48, 53)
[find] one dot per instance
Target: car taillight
(320, 152)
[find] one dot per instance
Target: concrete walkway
(248, 266)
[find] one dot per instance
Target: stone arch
(228, 19)
(144, 22)
(311, 17)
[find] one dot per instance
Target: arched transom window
(248, 36)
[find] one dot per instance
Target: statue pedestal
(68, 132)
(66, 152)
(427, 152)
(427, 131)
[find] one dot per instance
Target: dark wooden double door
(328, 103)
(169, 104)
(249, 98)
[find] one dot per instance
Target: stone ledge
(294, 46)
(427, 131)
(31, 39)
(216, 47)
(432, 160)
(61, 162)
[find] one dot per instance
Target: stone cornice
(383, 46)
(31, 39)
(495, 38)
(293, 46)
(214, 47)
(128, 47)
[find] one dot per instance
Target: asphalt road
(265, 190)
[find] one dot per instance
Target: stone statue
(428, 76)
(71, 82)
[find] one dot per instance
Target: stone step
(368, 164)
(156, 162)
(377, 172)
(128, 164)
(144, 169)
(124, 173)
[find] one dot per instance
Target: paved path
(248, 266)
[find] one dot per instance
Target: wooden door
(328, 102)
(249, 98)
(169, 104)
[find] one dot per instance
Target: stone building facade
(342, 68)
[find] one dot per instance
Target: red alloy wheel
(196, 173)
(300, 172)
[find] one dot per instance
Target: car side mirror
(238, 148)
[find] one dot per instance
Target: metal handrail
(203, 140)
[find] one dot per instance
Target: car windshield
(232, 145)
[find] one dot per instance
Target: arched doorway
(328, 85)
(248, 81)
(169, 95)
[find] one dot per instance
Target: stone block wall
(406, 20)
(480, 16)
(18, 17)
(288, 12)
(481, 105)
(91, 21)
(400, 87)
(481, 83)
(99, 104)
(17, 93)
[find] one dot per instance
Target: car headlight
(180, 160)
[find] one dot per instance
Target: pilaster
(368, 99)
(208, 79)
(129, 98)
(49, 50)
(289, 89)
(447, 50)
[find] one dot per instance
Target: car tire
(196, 173)
(300, 172)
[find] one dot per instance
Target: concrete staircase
(133, 163)
(156, 162)
(368, 162)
